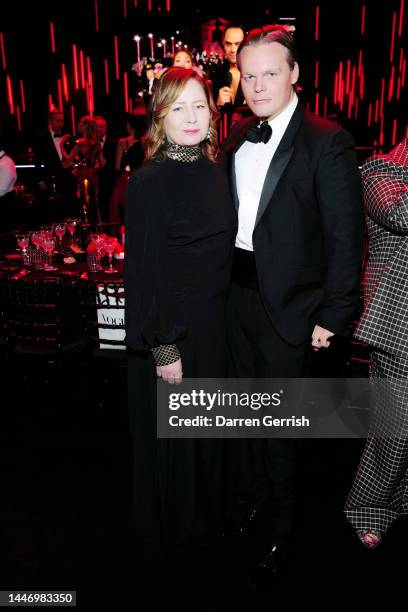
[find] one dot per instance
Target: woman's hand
(173, 373)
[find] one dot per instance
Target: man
(8, 177)
(107, 173)
(297, 258)
(48, 153)
(226, 80)
(379, 494)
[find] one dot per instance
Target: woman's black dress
(180, 232)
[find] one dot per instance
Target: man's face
(266, 78)
(101, 128)
(57, 122)
(233, 37)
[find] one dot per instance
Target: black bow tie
(260, 133)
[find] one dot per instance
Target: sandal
(370, 538)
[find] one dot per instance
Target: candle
(151, 46)
(137, 39)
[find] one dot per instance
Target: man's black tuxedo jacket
(308, 232)
(46, 153)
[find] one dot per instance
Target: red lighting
(317, 22)
(10, 97)
(50, 103)
(106, 67)
(336, 78)
(149, 5)
(3, 52)
(125, 90)
(401, 18)
(370, 112)
(82, 64)
(317, 103)
(73, 124)
(348, 76)
(124, 9)
(22, 96)
(115, 43)
(391, 84)
(394, 24)
(65, 83)
(60, 104)
(363, 18)
(52, 37)
(316, 74)
(96, 16)
(168, 7)
(394, 133)
(75, 66)
(18, 118)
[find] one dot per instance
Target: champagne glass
(71, 225)
(37, 256)
(98, 240)
(48, 244)
(110, 246)
(23, 242)
(59, 231)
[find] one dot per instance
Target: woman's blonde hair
(90, 130)
(165, 92)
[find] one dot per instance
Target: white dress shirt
(8, 174)
(57, 143)
(252, 161)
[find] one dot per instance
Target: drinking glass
(71, 226)
(110, 244)
(48, 244)
(23, 241)
(59, 231)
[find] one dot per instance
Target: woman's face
(182, 60)
(188, 120)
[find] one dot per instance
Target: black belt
(244, 269)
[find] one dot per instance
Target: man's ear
(295, 74)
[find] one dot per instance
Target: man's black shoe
(268, 570)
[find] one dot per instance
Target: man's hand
(172, 373)
(224, 96)
(320, 338)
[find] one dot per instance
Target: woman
(129, 156)
(379, 494)
(87, 156)
(180, 230)
(183, 59)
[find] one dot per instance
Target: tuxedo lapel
(279, 162)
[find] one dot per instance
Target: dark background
(29, 57)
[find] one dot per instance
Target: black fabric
(259, 133)
(244, 269)
(266, 467)
(180, 231)
(308, 232)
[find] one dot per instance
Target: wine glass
(37, 255)
(59, 231)
(110, 244)
(23, 242)
(98, 240)
(71, 226)
(48, 244)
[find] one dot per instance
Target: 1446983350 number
(24, 598)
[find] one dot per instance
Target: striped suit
(379, 493)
